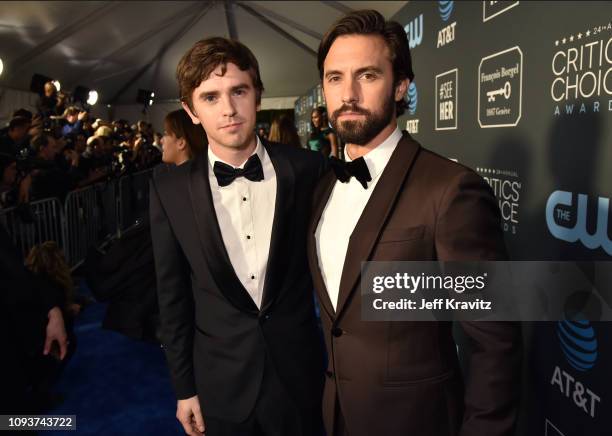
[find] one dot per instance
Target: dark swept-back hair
(179, 124)
(371, 22)
(205, 56)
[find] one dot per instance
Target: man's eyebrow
(205, 94)
(240, 86)
(332, 72)
(368, 69)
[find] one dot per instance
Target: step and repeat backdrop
(521, 92)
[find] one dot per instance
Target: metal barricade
(83, 225)
(34, 223)
(133, 199)
(88, 217)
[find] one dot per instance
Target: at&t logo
(579, 345)
(447, 34)
(412, 99)
(446, 9)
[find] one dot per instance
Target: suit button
(329, 374)
(337, 332)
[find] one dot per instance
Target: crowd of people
(60, 148)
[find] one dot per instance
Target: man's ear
(194, 119)
(401, 88)
(182, 144)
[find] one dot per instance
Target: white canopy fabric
(120, 46)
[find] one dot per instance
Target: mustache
(350, 108)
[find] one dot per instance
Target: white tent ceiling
(118, 47)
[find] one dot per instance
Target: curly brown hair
(48, 259)
(205, 56)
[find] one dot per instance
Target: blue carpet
(115, 385)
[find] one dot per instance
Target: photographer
(15, 136)
(74, 122)
(15, 183)
(52, 102)
(59, 176)
(145, 155)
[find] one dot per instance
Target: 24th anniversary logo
(582, 71)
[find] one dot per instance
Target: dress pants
(275, 414)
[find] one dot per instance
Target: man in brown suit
(396, 201)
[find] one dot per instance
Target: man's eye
(239, 92)
(368, 76)
(210, 98)
(333, 78)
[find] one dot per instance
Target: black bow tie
(356, 168)
(226, 174)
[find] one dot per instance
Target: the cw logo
(579, 232)
(414, 31)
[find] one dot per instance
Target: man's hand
(56, 331)
(190, 416)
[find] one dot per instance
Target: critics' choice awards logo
(446, 92)
(507, 187)
(414, 31)
(412, 99)
(582, 71)
(446, 35)
(578, 343)
(566, 219)
(500, 88)
(491, 9)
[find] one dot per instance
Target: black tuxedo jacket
(215, 338)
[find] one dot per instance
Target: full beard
(362, 132)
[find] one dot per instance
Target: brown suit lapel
(374, 216)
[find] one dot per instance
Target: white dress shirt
(344, 208)
(245, 212)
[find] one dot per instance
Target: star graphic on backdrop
(580, 36)
(563, 40)
(588, 33)
(572, 38)
(557, 42)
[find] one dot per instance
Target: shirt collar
(377, 158)
(259, 151)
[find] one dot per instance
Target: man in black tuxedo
(234, 291)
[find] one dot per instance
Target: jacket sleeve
(175, 298)
(468, 229)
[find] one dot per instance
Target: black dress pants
(275, 414)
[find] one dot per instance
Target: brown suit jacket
(403, 378)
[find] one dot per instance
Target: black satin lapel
(282, 226)
(320, 198)
(211, 241)
(375, 215)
